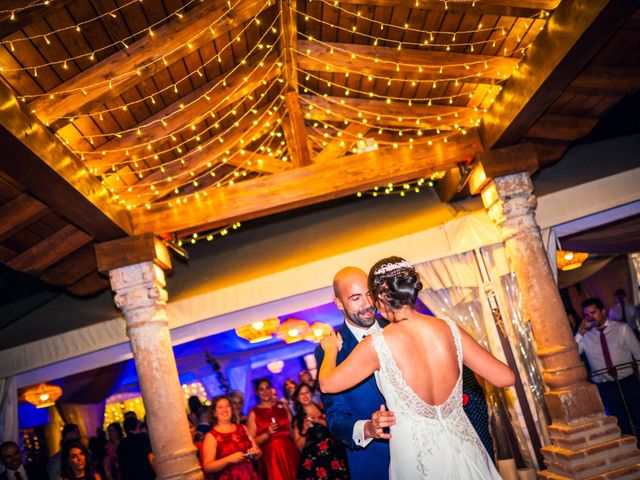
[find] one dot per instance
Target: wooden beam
(338, 146)
(172, 37)
(130, 251)
(336, 58)
(548, 153)
(239, 84)
(49, 251)
(573, 35)
(307, 185)
(510, 8)
(20, 212)
(295, 132)
(500, 162)
(72, 268)
(293, 123)
(23, 18)
(90, 285)
(606, 80)
(562, 127)
(380, 113)
(35, 157)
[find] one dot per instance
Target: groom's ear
(338, 303)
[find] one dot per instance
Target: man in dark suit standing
(11, 458)
(357, 416)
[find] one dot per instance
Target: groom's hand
(380, 419)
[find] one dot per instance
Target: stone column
(141, 296)
(585, 443)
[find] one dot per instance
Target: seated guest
(228, 450)
(11, 458)
(134, 453)
(70, 433)
(270, 424)
(322, 456)
(74, 463)
(236, 397)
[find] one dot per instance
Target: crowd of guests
(282, 438)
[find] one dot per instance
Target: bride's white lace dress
(428, 441)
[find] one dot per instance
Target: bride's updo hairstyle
(395, 281)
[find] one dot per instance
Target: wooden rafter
(562, 127)
(50, 250)
(306, 185)
(238, 85)
(347, 57)
(169, 43)
(573, 35)
(23, 18)
(607, 80)
(511, 8)
(44, 161)
(293, 124)
(339, 145)
(19, 213)
(380, 113)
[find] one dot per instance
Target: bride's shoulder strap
(457, 339)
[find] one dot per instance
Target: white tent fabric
(8, 410)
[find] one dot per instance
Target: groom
(355, 416)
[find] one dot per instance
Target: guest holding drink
(228, 450)
(269, 423)
(322, 456)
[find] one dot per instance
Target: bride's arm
(360, 364)
(484, 364)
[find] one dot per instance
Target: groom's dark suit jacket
(344, 409)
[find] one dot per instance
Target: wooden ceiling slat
(574, 34)
(454, 62)
(220, 96)
(26, 17)
(89, 285)
(44, 160)
(307, 185)
(19, 213)
(607, 80)
(167, 38)
(562, 127)
(72, 268)
(9, 188)
(50, 250)
(514, 8)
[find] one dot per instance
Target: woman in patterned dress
(228, 450)
(322, 456)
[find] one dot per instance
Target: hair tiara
(390, 267)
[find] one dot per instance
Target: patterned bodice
(430, 425)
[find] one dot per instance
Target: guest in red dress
(228, 450)
(270, 424)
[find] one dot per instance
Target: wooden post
(135, 267)
(585, 443)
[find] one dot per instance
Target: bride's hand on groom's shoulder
(331, 341)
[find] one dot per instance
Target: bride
(419, 363)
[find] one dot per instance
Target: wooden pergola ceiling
(181, 116)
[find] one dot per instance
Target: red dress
(279, 459)
(232, 442)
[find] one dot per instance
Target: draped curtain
(8, 410)
(453, 288)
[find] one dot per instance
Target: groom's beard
(363, 318)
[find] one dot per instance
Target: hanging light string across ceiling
(174, 86)
(203, 97)
(13, 11)
(431, 42)
(209, 30)
(357, 16)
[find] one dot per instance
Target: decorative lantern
(42, 395)
(567, 260)
(258, 331)
(292, 330)
(317, 331)
(275, 367)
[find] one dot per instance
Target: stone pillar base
(590, 451)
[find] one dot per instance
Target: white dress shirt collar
(359, 332)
